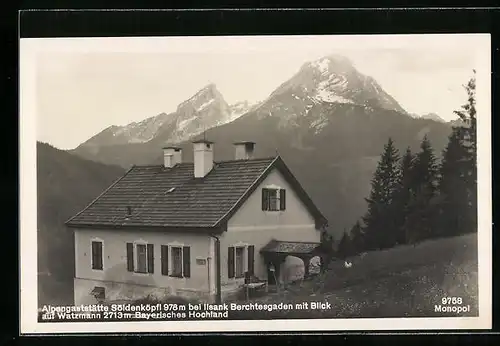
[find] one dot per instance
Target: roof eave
(160, 228)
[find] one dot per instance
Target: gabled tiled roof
(174, 198)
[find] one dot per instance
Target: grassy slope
(404, 281)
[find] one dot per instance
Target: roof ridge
(161, 165)
(268, 158)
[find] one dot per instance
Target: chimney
(171, 156)
(244, 150)
(203, 157)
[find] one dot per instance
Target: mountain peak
(328, 64)
(202, 98)
(334, 79)
(210, 86)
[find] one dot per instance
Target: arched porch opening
(293, 269)
(275, 255)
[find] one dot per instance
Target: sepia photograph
(255, 183)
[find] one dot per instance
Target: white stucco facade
(252, 226)
(122, 284)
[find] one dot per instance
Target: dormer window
(273, 199)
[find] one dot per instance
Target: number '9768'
(451, 300)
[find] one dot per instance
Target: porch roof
(290, 247)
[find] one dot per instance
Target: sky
(83, 85)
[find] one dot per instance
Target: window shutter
(93, 249)
(164, 260)
(151, 258)
(99, 255)
(230, 262)
(186, 261)
(282, 199)
(251, 250)
(265, 199)
(130, 257)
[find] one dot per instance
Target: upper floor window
(273, 199)
(140, 258)
(96, 255)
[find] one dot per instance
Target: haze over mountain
(328, 121)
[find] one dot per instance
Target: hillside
(404, 281)
(65, 184)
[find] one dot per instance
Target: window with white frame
(273, 199)
(178, 264)
(239, 251)
(240, 259)
(176, 252)
(140, 257)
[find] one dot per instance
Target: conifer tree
(357, 242)
(344, 249)
(421, 212)
(453, 187)
(469, 139)
(403, 194)
(467, 114)
(379, 223)
(458, 183)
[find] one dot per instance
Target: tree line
(415, 197)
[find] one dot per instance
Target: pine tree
(421, 210)
(467, 114)
(403, 194)
(458, 183)
(453, 187)
(327, 249)
(379, 223)
(469, 139)
(357, 242)
(344, 249)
